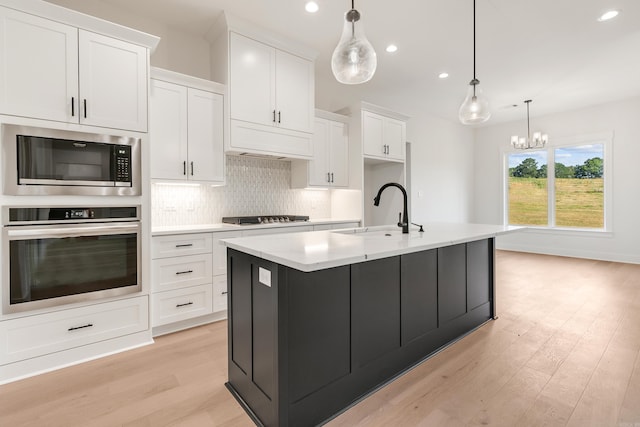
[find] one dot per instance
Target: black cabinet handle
(279, 116)
(184, 167)
(73, 106)
(332, 177)
(328, 177)
(184, 272)
(191, 168)
(184, 245)
(225, 292)
(75, 328)
(85, 108)
(274, 116)
(184, 305)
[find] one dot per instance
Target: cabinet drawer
(182, 304)
(180, 272)
(38, 335)
(180, 244)
(219, 293)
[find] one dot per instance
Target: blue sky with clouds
(568, 156)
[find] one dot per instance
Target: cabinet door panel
(339, 155)
(205, 148)
(394, 137)
(322, 339)
(168, 130)
(478, 273)
(419, 294)
(375, 309)
(294, 92)
(452, 283)
(319, 166)
(38, 67)
(372, 128)
(113, 81)
(251, 80)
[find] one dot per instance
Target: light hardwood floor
(565, 351)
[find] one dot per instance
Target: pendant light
(537, 140)
(475, 108)
(354, 60)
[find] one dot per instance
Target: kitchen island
(318, 320)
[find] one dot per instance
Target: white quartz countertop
(207, 228)
(317, 250)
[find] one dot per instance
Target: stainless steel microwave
(40, 161)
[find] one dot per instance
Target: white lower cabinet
(182, 304)
(180, 272)
(220, 293)
(181, 277)
(34, 336)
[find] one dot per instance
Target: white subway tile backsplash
(255, 186)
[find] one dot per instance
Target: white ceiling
(552, 51)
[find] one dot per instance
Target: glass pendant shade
(475, 108)
(354, 60)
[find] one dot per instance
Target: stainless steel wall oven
(40, 161)
(62, 255)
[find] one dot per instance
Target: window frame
(604, 138)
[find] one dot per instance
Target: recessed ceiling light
(608, 15)
(392, 48)
(443, 75)
(311, 7)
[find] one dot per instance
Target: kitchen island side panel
(253, 335)
(340, 333)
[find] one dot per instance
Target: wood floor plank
(565, 351)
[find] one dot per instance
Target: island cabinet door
(375, 309)
(419, 294)
(479, 273)
(452, 283)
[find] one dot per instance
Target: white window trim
(604, 138)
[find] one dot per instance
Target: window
(574, 196)
(528, 194)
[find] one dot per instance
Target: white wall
(442, 170)
(623, 243)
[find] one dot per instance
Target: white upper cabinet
(186, 130)
(54, 71)
(38, 67)
(294, 92)
(269, 86)
(113, 82)
(383, 137)
(205, 128)
(168, 130)
(252, 81)
(330, 164)
(271, 99)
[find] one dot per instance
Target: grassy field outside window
(577, 195)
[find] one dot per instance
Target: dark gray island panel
(419, 294)
(375, 304)
(310, 344)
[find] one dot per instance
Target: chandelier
(537, 140)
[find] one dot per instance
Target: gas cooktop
(264, 219)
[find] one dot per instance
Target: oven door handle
(45, 232)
